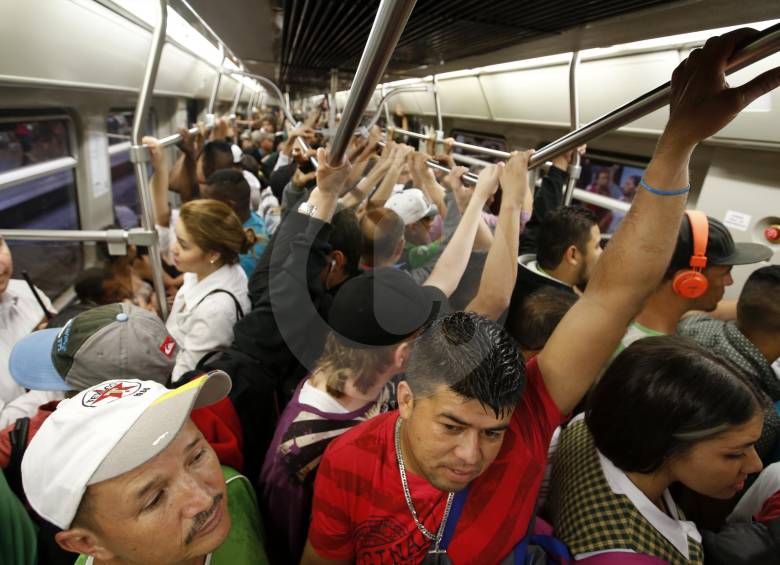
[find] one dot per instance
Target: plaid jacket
(588, 516)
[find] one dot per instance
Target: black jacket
(743, 544)
(548, 196)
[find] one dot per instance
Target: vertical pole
(215, 89)
(437, 103)
(388, 121)
(334, 87)
(389, 23)
(234, 109)
(140, 154)
(574, 109)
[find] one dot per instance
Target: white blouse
(199, 327)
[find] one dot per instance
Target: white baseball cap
(411, 205)
(237, 153)
(106, 431)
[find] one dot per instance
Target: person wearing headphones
(697, 276)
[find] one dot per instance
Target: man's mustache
(203, 517)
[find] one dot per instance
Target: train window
(483, 140)
(47, 200)
(614, 175)
(28, 142)
(119, 126)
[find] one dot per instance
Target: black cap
(721, 248)
(382, 307)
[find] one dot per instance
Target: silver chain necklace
(436, 539)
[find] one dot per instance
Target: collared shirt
(19, 314)
(676, 531)
(202, 327)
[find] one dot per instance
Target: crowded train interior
(331, 282)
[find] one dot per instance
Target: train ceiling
(298, 42)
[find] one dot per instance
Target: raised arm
(462, 195)
(158, 182)
(500, 272)
(183, 177)
(425, 180)
(452, 263)
(632, 265)
(385, 189)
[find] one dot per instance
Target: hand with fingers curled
(332, 180)
(701, 102)
(487, 182)
(514, 176)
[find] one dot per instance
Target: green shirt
(634, 332)
(420, 255)
(244, 544)
(18, 536)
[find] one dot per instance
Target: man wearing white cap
(417, 214)
(127, 476)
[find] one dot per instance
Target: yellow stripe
(195, 383)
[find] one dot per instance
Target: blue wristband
(649, 188)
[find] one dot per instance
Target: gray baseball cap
(117, 341)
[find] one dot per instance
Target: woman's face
(718, 467)
(187, 256)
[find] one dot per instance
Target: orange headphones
(692, 283)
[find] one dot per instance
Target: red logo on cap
(109, 392)
(168, 346)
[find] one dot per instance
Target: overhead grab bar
(764, 44)
(282, 103)
(388, 25)
(390, 94)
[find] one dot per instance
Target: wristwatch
(307, 209)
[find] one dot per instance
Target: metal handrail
(390, 21)
(390, 94)
(31, 172)
(139, 154)
(574, 109)
(600, 200)
(764, 44)
(469, 146)
(282, 104)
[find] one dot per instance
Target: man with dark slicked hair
(381, 492)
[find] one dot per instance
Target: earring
(212, 261)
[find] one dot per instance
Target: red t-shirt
(359, 512)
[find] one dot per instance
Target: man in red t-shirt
(464, 418)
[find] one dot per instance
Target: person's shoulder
(691, 325)
(364, 441)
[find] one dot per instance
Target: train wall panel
(741, 189)
(85, 45)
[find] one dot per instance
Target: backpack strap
(239, 310)
(458, 502)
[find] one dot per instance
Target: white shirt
(27, 405)
(766, 485)
(19, 314)
(314, 397)
(200, 328)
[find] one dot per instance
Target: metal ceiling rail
(468, 146)
(390, 21)
(764, 44)
(385, 97)
(283, 104)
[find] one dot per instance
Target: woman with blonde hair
(209, 239)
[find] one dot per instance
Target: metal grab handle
(390, 21)
(282, 104)
(574, 109)
(139, 159)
